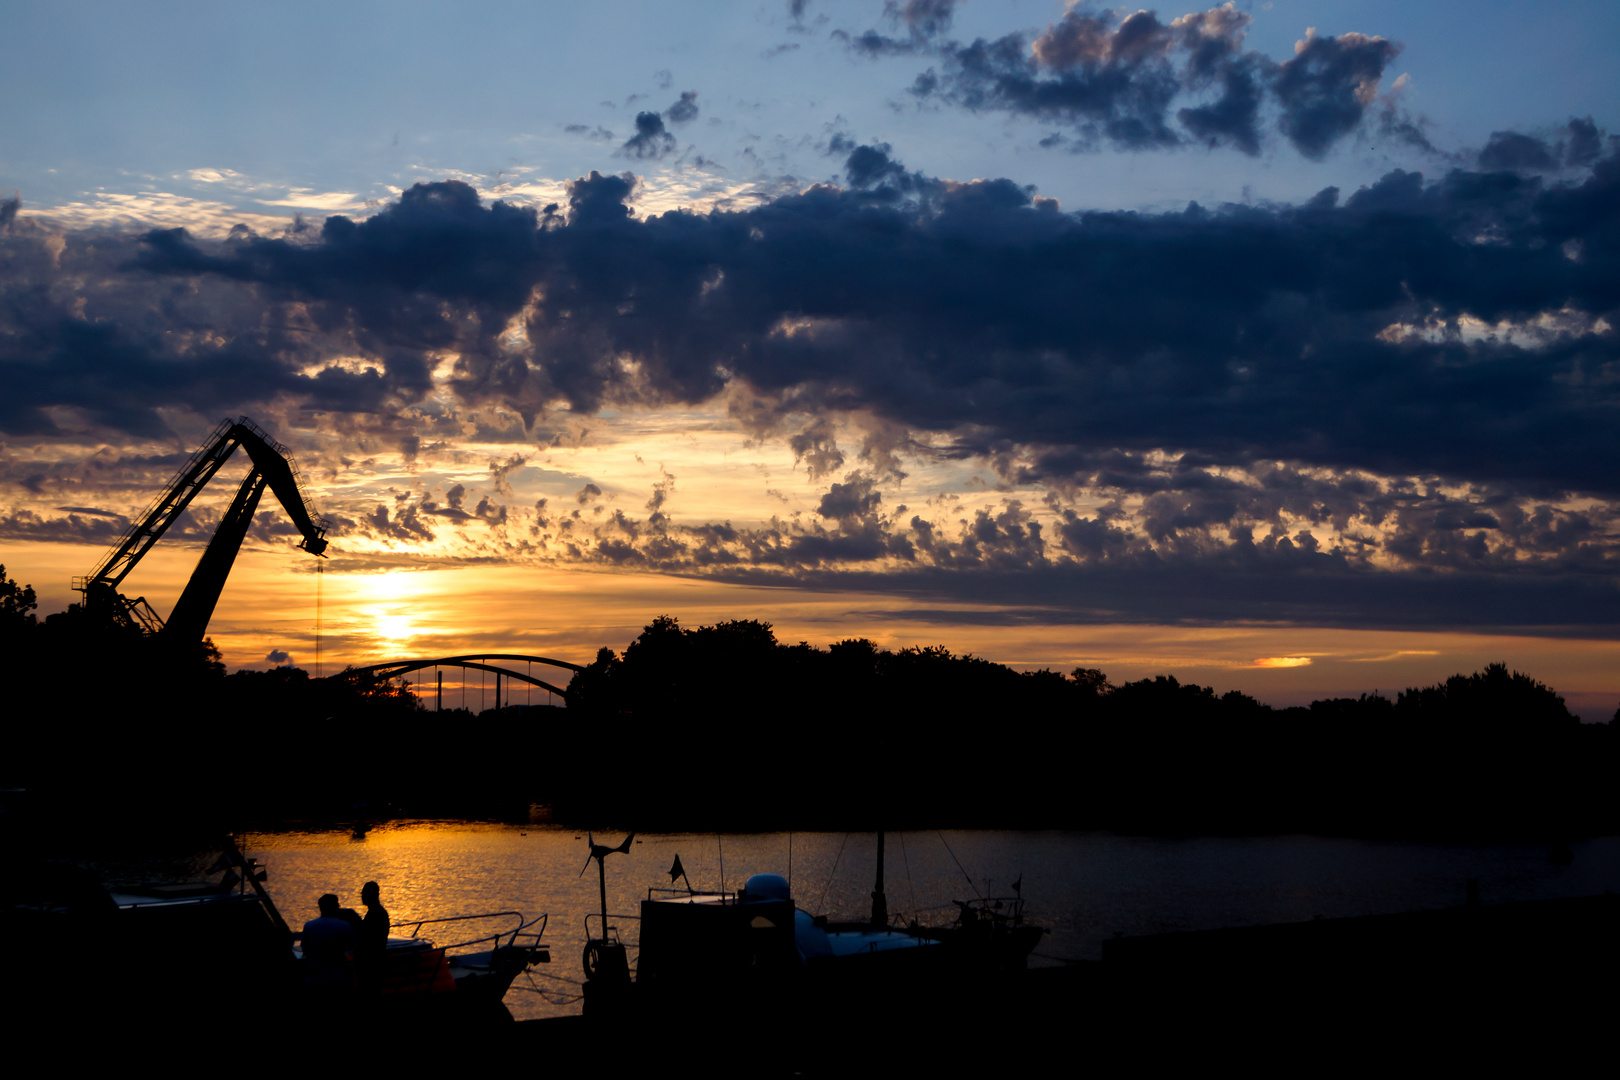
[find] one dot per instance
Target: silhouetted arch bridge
(394, 669)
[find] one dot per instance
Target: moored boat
(480, 968)
(694, 943)
(184, 956)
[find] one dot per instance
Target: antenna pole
(320, 576)
(880, 903)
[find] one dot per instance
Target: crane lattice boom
(272, 467)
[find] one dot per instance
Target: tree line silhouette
(724, 727)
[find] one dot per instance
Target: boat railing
(610, 932)
(998, 909)
(664, 892)
(522, 934)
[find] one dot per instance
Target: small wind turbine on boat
(605, 959)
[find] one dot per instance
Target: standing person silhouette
(374, 927)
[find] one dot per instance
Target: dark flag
(676, 871)
(1018, 886)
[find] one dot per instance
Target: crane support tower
(188, 622)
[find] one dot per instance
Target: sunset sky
(1271, 345)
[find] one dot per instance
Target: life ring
(592, 959)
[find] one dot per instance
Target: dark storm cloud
(683, 111)
(1396, 125)
(89, 526)
(89, 483)
(454, 496)
(651, 141)
(923, 20)
(1097, 572)
(1510, 150)
(596, 132)
(51, 355)
(1420, 375)
(1578, 144)
(597, 199)
(490, 512)
(1583, 142)
(1333, 333)
(1132, 81)
(86, 326)
(870, 166)
(661, 493)
(1308, 591)
(8, 210)
(854, 498)
(78, 527)
(404, 525)
(1326, 87)
(816, 447)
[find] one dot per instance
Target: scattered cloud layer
(1131, 81)
(1394, 406)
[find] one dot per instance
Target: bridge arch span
(477, 662)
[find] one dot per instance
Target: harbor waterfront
(1084, 887)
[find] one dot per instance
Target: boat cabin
(754, 935)
(699, 938)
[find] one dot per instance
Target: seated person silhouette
(328, 940)
(374, 928)
(352, 917)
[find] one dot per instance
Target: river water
(1084, 887)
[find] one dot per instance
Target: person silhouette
(352, 917)
(374, 927)
(327, 940)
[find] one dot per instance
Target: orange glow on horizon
(269, 605)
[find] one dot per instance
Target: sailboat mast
(880, 903)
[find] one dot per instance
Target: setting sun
(393, 627)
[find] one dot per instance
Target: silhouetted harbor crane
(188, 622)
